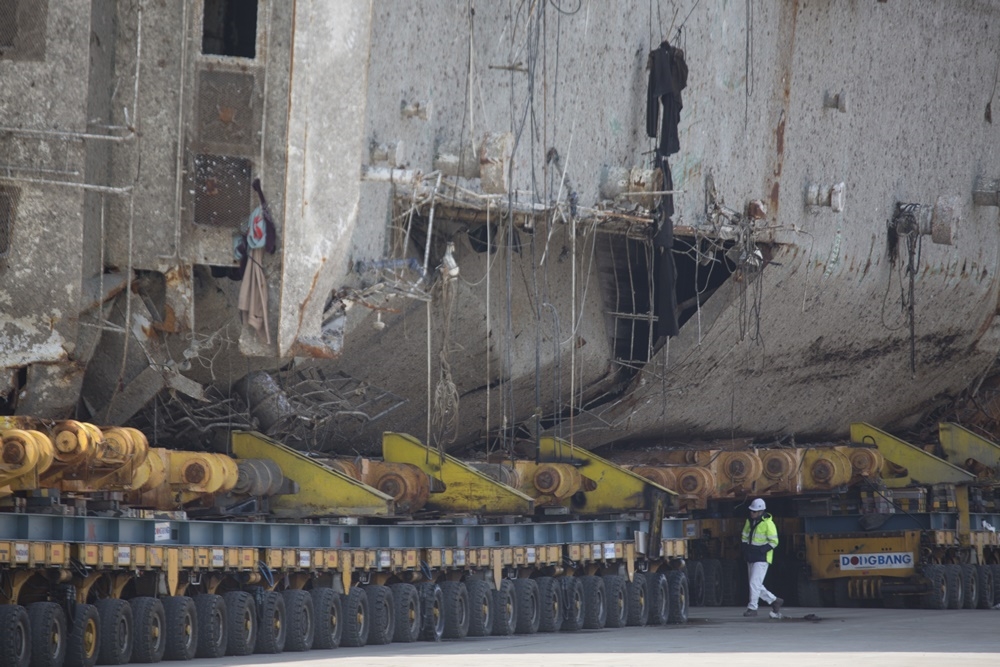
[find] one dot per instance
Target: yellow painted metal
(823, 552)
(919, 466)
(614, 488)
(970, 450)
(824, 468)
(466, 489)
(963, 526)
(322, 491)
(173, 571)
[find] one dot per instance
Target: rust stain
(311, 350)
(779, 142)
(178, 276)
(169, 323)
(775, 189)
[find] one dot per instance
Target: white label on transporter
(886, 561)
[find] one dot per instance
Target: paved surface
(714, 636)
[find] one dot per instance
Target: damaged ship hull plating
(808, 298)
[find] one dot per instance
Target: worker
(760, 538)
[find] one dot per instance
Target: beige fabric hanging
(253, 296)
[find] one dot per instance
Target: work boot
(776, 605)
(750, 612)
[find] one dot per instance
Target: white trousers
(756, 572)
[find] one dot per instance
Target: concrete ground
(713, 636)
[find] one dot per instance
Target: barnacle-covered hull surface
(471, 230)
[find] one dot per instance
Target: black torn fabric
(667, 78)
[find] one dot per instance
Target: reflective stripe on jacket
(761, 533)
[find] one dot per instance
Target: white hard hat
(757, 505)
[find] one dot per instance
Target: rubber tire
(182, 628)
(529, 610)
(82, 651)
(505, 605)
(456, 609)
(970, 583)
(272, 626)
(241, 623)
(638, 600)
(995, 569)
(616, 594)
(406, 613)
(382, 608)
(713, 582)
(595, 603)
(329, 618)
(696, 583)
(550, 604)
(148, 619)
(117, 632)
(481, 608)
(677, 584)
(956, 586)
(431, 612)
(938, 595)
(47, 622)
(357, 620)
(301, 617)
(15, 636)
(212, 626)
(731, 583)
(987, 595)
(573, 603)
(659, 598)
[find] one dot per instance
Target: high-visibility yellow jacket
(757, 535)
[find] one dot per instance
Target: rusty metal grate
(228, 111)
(222, 194)
(22, 29)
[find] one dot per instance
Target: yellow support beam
(466, 489)
(615, 489)
(322, 491)
(960, 445)
(920, 466)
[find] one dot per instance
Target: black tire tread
(76, 652)
(179, 647)
(956, 586)
(638, 600)
(113, 611)
(12, 615)
(406, 600)
(714, 585)
(480, 596)
(677, 584)
(45, 614)
(382, 608)
(659, 598)
(528, 606)
(144, 647)
(431, 623)
(595, 602)
(987, 591)
(970, 582)
(212, 626)
(935, 598)
(550, 604)
(329, 618)
(504, 624)
(574, 606)
(616, 600)
(270, 639)
(355, 603)
(696, 583)
(301, 617)
(240, 607)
